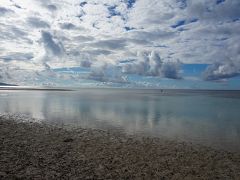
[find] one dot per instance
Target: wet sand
(38, 151)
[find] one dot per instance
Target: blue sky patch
(130, 3)
(113, 12)
(184, 22)
(179, 23)
(220, 1)
(193, 69)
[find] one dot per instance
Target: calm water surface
(205, 117)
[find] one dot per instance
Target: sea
(206, 117)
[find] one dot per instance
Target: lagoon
(210, 118)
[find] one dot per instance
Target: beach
(30, 150)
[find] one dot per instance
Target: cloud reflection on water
(200, 118)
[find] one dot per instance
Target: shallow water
(205, 117)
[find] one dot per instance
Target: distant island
(5, 84)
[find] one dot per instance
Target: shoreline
(32, 89)
(31, 150)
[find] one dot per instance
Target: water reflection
(198, 118)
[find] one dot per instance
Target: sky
(121, 43)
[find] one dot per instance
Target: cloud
(52, 46)
(105, 72)
(81, 38)
(97, 52)
(153, 35)
(145, 14)
(17, 57)
(4, 74)
(112, 44)
(213, 11)
(67, 26)
(4, 11)
(171, 70)
(150, 64)
(51, 7)
(228, 64)
(104, 34)
(37, 23)
(219, 71)
(86, 63)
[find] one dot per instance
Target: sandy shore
(38, 151)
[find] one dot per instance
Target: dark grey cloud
(13, 33)
(86, 63)
(67, 26)
(171, 70)
(138, 41)
(82, 4)
(4, 11)
(37, 23)
(17, 56)
(51, 45)
(152, 35)
(218, 30)
(112, 44)
(18, 32)
(83, 38)
(212, 11)
(97, 52)
(51, 7)
(17, 6)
